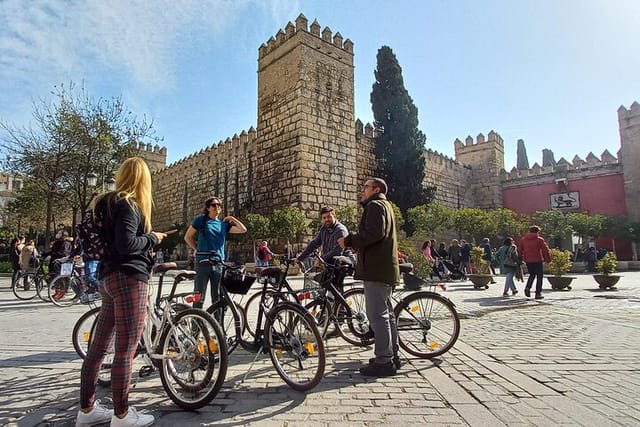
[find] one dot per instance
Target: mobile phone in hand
(173, 230)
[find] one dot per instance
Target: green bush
(560, 262)
(6, 267)
(4, 258)
(607, 264)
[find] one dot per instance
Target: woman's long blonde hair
(133, 183)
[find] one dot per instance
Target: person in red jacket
(533, 250)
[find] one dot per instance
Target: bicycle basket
(237, 282)
(66, 268)
(412, 282)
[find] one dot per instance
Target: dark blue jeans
(535, 272)
(206, 274)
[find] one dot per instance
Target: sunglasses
(215, 204)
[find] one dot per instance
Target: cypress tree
(399, 146)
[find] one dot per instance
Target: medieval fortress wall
(308, 150)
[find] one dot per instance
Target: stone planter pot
(606, 281)
(560, 282)
(480, 281)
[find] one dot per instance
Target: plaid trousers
(124, 302)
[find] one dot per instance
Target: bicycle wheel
(24, 287)
(351, 319)
(428, 324)
(320, 309)
(194, 359)
(233, 324)
(42, 288)
(251, 308)
(83, 333)
(295, 346)
(65, 290)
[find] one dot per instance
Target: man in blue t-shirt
(208, 233)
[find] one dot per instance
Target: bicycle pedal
(146, 370)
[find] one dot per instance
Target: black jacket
(129, 245)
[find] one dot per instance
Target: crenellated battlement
(493, 138)
(290, 31)
(577, 164)
(238, 145)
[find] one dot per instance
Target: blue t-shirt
(215, 234)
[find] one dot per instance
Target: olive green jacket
(376, 242)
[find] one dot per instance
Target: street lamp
(109, 184)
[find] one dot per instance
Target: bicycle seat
(185, 275)
(406, 267)
(164, 267)
(268, 271)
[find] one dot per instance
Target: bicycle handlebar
(215, 258)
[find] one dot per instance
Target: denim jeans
(509, 283)
(206, 273)
(535, 272)
(91, 267)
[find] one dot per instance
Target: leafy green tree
(431, 219)
(258, 227)
(509, 223)
(71, 137)
(474, 223)
(399, 146)
(288, 222)
(585, 225)
(554, 224)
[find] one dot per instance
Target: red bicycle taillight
(193, 298)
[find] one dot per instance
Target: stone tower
(306, 147)
(629, 124)
(486, 159)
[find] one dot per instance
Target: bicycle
(226, 311)
(428, 323)
(345, 310)
(185, 344)
(71, 284)
(283, 329)
(30, 283)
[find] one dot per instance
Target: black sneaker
(396, 361)
(378, 370)
(527, 293)
(539, 296)
(367, 335)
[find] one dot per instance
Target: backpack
(262, 254)
(90, 231)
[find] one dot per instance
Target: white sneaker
(133, 419)
(98, 415)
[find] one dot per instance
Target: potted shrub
(480, 277)
(606, 267)
(559, 265)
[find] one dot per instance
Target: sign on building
(570, 200)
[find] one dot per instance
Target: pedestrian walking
(124, 276)
(509, 261)
(533, 250)
(376, 244)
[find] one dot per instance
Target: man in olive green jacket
(377, 247)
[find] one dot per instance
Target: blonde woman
(124, 276)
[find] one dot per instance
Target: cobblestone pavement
(570, 359)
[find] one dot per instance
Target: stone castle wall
(485, 157)
(629, 124)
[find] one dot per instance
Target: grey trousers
(383, 322)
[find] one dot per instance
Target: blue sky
(551, 72)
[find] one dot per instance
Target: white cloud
(41, 39)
